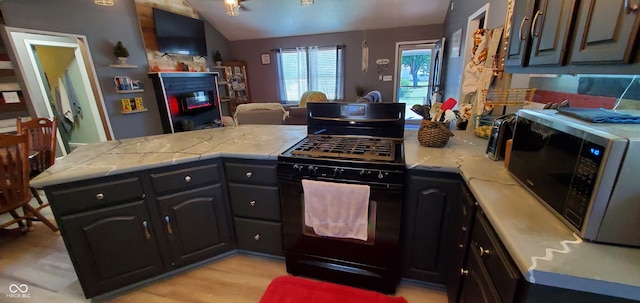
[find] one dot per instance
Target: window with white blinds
(316, 68)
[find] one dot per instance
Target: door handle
(521, 35)
(146, 229)
(534, 23)
(166, 220)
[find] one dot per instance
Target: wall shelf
(129, 91)
(123, 66)
(134, 111)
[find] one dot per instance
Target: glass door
(413, 85)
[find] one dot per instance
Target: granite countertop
(544, 249)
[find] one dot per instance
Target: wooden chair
(42, 133)
(14, 182)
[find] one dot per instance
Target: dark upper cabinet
(571, 37)
(195, 224)
(550, 28)
(429, 225)
(112, 247)
(519, 39)
(540, 33)
(605, 32)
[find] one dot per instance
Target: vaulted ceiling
(282, 18)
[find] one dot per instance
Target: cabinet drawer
(495, 259)
(183, 179)
(68, 200)
(252, 173)
(254, 201)
(259, 236)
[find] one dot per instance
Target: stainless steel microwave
(588, 174)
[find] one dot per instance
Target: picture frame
(265, 58)
(456, 39)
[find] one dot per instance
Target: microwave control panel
(583, 183)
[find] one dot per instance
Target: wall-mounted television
(177, 34)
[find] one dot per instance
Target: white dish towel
(337, 210)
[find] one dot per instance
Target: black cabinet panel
(112, 247)
(248, 172)
(259, 236)
(477, 287)
(429, 217)
(611, 41)
(254, 201)
(98, 194)
(195, 224)
(550, 30)
(466, 214)
(193, 177)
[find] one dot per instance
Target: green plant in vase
(121, 52)
(217, 57)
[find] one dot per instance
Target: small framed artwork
(456, 39)
(266, 58)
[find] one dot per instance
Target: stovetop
(347, 147)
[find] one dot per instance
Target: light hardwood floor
(40, 260)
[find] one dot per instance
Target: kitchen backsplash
(593, 91)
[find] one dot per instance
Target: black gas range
(348, 143)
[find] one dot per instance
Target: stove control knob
(312, 169)
(380, 176)
(337, 172)
(297, 167)
(364, 172)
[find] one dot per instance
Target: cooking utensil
(449, 115)
(435, 111)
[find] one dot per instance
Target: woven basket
(433, 134)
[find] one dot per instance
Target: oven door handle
(353, 121)
(372, 185)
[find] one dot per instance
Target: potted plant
(217, 57)
(121, 52)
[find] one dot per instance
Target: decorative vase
(123, 60)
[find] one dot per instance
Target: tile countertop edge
(515, 213)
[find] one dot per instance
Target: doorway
(59, 81)
(414, 76)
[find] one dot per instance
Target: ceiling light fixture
(233, 8)
(103, 2)
(306, 2)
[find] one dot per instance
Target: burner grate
(380, 149)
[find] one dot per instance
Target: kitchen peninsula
(544, 250)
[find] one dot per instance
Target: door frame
(473, 23)
(399, 62)
(21, 40)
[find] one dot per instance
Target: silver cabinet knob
(249, 174)
(100, 196)
(252, 203)
(143, 195)
(257, 237)
(483, 251)
(187, 179)
(464, 228)
(464, 272)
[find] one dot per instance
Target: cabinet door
(195, 224)
(477, 287)
(550, 28)
(428, 227)
(610, 41)
(464, 225)
(111, 247)
(519, 38)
